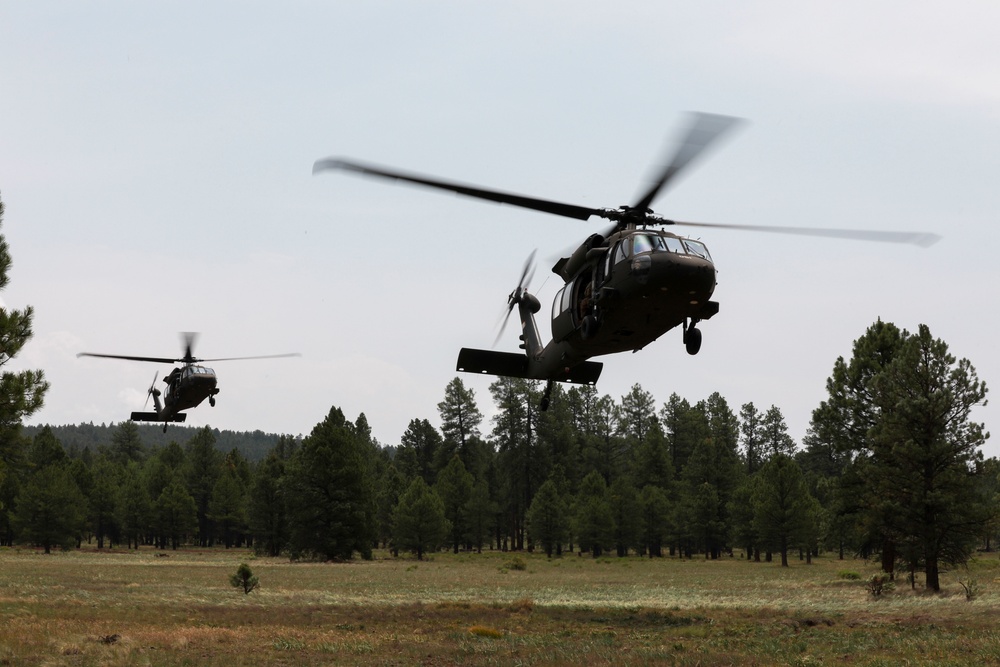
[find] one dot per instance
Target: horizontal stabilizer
(153, 417)
(490, 362)
(510, 364)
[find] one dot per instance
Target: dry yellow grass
(120, 608)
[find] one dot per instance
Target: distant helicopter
(624, 287)
(187, 386)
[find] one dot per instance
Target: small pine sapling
(244, 578)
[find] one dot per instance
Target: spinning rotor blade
(705, 128)
(544, 205)
(152, 388)
(527, 273)
(157, 360)
(263, 356)
(187, 339)
(922, 239)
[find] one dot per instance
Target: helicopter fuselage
(620, 294)
(187, 387)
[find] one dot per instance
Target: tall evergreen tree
(21, 393)
(844, 422)
(481, 513)
(783, 508)
(176, 515)
(624, 504)
(594, 523)
(750, 428)
(926, 452)
(203, 465)
(50, 509)
(654, 519)
(266, 513)
(134, 507)
(460, 420)
(420, 523)
(329, 493)
(774, 434)
(227, 508)
(454, 487)
(126, 444)
(547, 519)
(417, 453)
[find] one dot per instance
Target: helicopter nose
(678, 274)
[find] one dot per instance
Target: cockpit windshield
(657, 243)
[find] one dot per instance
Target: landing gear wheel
(692, 340)
(211, 401)
(589, 327)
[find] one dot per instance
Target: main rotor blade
(544, 205)
(705, 128)
(922, 239)
(262, 356)
(157, 360)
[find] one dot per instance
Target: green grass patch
(471, 609)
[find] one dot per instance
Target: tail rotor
(152, 391)
(514, 298)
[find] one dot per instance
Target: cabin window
(557, 305)
(697, 248)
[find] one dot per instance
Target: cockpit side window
(622, 251)
(697, 248)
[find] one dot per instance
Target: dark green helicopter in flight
(624, 287)
(187, 386)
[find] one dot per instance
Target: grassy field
(177, 608)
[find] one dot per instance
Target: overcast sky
(155, 162)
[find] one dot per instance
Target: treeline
(75, 438)
(891, 468)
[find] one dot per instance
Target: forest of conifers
(891, 469)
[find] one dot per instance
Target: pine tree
(481, 512)
(21, 394)
(203, 465)
(51, 510)
(176, 515)
(926, 453)
(654, 519)
(783, 508)
(329, 493)
(547, 519)
(420, 523)
(454, 487)
(593, 519)
(460, 420)
(624, 504)
(133, 508)
(226, 507)
(266, 513)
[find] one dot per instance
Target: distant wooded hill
(253, 445)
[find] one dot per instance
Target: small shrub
(850, 575)
(244, 578)
(879, 584)
(971, 588)
(483, 631)
(515, 563)
(522, 606)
